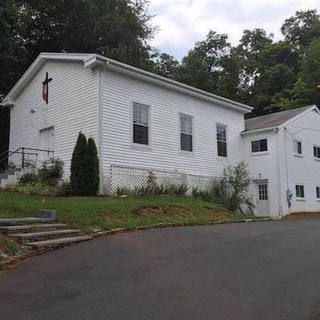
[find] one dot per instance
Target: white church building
(141, 122)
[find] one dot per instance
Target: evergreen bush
(92, 169)
(78, 166)
(84, 176)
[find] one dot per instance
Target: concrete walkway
(267, 270)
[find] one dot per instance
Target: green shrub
(36, 189)
(51, 172)
(92, 169)
(152, 186)
(124, 191)
(155, 189)
(231, 189)
(64, 190)
(195, 192)
(9, 246)
(29, 178)
(84, 168)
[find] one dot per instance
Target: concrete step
(24, 221)
(45, 235)
(57, 242)
(32, 228)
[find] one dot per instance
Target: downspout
(100, 129)
(277, 131)
(286, 162)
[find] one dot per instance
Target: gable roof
(274, 120)
(92, 60)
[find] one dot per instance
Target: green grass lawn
(97, 214)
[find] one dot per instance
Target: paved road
(255, 271)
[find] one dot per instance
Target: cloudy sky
(183, 22)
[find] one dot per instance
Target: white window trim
(318, 199)
(140, 146)
(304, 191)
(299, 155)
(258, 153)
(227, 140)
(186, 152)
(317, 146)
(267, 192)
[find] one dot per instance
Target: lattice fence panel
(198, 181)
(133, 178)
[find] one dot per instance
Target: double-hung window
(316, 152)
(259, 145)
(300, 191)
(222, 140)
(140, 119)
(186, 133)
(318, 192)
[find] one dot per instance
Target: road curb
(12, 262)
(167, 225)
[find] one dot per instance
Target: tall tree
(310, 71)
(167, 66)
(278, 65)
(302, 28)
(252, 43)
(118, 29)
(12, 60)
(203, 66)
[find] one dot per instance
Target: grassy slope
(95, 214)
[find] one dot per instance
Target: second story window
(186, 133)
(140, 119)
(222, 140)
(297, 147)
(316, 152)
(259, 145)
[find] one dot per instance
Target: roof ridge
(275, 119)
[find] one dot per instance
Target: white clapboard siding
(264, 166)
(118, 92)
(303, 169)
(73, 106)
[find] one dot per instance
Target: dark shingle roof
(273, 119)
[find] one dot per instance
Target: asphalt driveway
(267, 270)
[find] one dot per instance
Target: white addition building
(282, 151)
(141, 121)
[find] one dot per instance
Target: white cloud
(183, 22)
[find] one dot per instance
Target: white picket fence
(134, 178)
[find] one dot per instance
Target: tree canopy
(269, 75)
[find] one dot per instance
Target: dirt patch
(9, 248)
(153, 210)
(182, 211)
(221, 214)
(303, 215)
(108, 218)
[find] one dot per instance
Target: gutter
(7, 104)
(97, 60)
(258, 130)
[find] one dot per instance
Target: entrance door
(262, 199)
(46, 143)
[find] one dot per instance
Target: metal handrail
(9, 154)
(3, 153)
